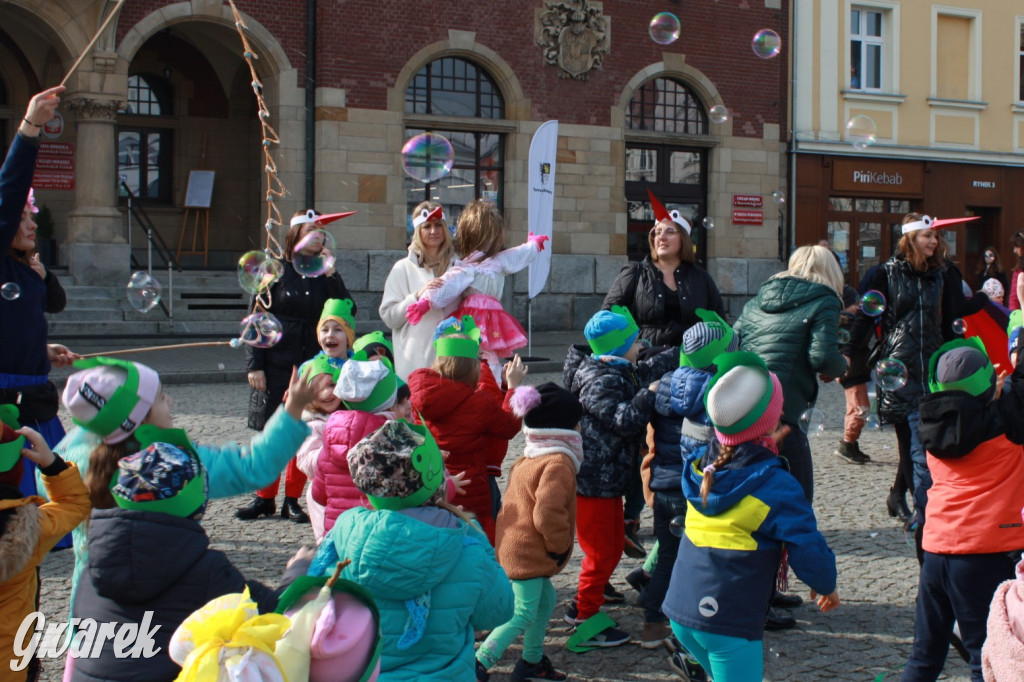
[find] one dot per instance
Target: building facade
(167, 92)
(942, 85)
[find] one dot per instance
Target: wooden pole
(92, 43)
(149, 349)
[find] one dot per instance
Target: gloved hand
(415, 312)
(538, 239)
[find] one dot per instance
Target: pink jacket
(332, 485)
(1002, 656)
(305, 459)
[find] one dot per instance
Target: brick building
(167, 92)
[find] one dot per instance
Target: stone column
(97, 250)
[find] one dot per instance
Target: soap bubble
(10, 291)
(890, 374)
(718, 114)
(261, 330)
(143, 291)
(766, 43)
(677, 526)
(235, 343)
(778, 197)
(844, 335)
(664, 28)
(873, 303)
(257, 271)
(428, 157)
(871, 422)
(314, 254)
(959, 326)
(708, 223)
(861, 131)
(812, 421)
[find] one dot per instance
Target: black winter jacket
(918, 318)
(297, 302)
(146, 561)
(639, 288)
(616, 408)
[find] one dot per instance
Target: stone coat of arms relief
(575, 35)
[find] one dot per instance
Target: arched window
(662, 155)
(145, 139)
(666, 105)
(449, 87)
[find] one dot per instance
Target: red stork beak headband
(426, 216)
(311, 216)
(661, 213)
(929, 223)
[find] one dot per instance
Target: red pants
(294, 482)
(601, 534)
(857, 409)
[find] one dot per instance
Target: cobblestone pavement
(867, 637)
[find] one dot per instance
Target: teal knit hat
(611, 332)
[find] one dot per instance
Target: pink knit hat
(744, 400)
(110, 397)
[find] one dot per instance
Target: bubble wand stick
(92, 43)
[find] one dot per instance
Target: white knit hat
(110, 397)
(744, 401)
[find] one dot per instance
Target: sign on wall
(55, 166)
(747, 217)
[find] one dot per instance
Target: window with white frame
(1020, 60)
(867, 48)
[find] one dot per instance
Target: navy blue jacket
(147, 561)
(616, 409)
(680, 395)
(724, 574)
(23, 327)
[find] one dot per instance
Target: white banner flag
(541, 207)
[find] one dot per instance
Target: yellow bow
(231, 628)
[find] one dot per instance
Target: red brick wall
(364, 44)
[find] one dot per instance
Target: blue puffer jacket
(680, 395)
(616, 409)
(231, 469)
(725, 571)
(435, 581)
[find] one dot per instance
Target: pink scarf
(540, 442)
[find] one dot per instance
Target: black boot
(896, 504)
(258, 507)
(291, 510)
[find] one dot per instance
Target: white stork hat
(312, 216)
(660, 213)
(929, 223)
(426, 215)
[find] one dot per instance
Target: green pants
(535, 601)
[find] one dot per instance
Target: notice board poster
(200, 189)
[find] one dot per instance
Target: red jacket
(333, 486)
(474, 426)
(974, 502)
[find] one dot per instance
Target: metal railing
(154, 243)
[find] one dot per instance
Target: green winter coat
(793, 324)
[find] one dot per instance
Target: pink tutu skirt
(499, 331)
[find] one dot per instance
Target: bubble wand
(92, 43)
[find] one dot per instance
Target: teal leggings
(535, 601)
(724, 658)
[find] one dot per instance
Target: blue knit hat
(611, 332)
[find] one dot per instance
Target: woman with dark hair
(989, 267)
(28, 290)
(924, 295)
(297, 302)
(1016, 288)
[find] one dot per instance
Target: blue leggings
(724, 658)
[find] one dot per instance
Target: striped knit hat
(705, 340)
(744, 399)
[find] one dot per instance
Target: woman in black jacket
(663, 293)
(924, 295)
(296, 301)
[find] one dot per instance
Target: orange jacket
(974, 504)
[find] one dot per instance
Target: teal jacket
(793, 324)
(435, 580)
(231, 469)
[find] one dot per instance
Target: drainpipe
(787, 243)
(310, 102)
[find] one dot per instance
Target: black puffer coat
(297, 302)
(616, 409)
(919, 313)
(639, 287)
